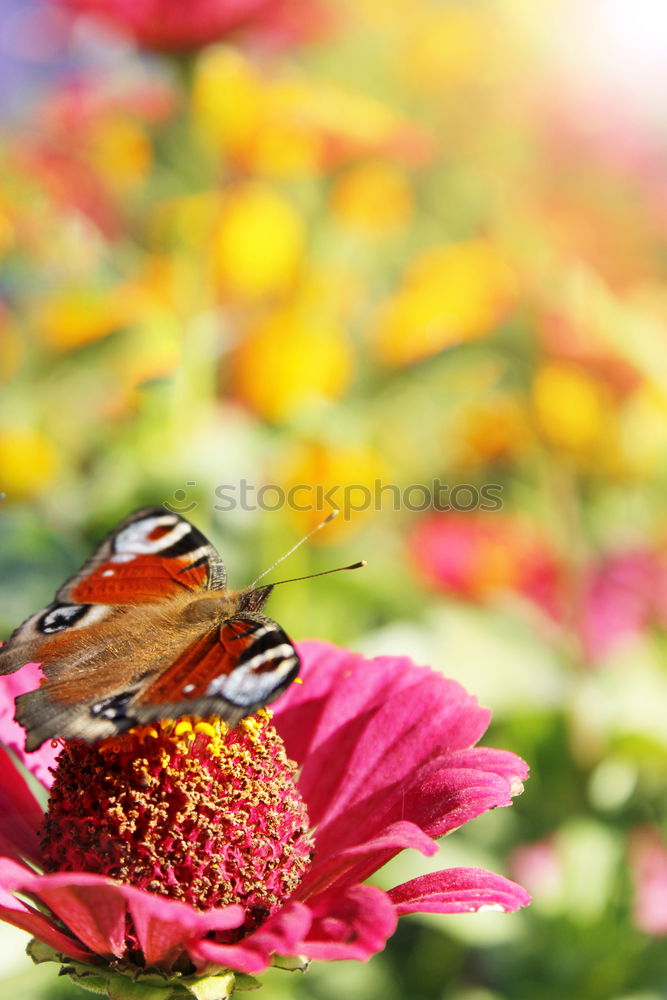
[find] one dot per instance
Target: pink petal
(360, 726)
(12, 735)
(439, 797)
(282, 934)
(501, 762)
(457, 787)
(356, 863)
(20, 814)
(458, 890)
(13, 911)
(351, 924)
(86, 904)
(94, 908)
(166, 927)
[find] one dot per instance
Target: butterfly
(147, 630)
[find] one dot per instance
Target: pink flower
(625, 593)
(478, 555)
(171, 25)
(648, 864)
(387, 761)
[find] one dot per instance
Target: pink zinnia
(648, 867)
(172, 25)
(187, 848)
(624, 594)
(477, 555)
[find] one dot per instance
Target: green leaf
(211, 987)
(40, 952)
(245, 982)
(292, 963)
(92, 983)
(123, 988)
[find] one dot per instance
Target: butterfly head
(254, 598)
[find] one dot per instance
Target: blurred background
(412, 253)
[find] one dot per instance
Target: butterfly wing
(118, 649)
(231, 672)
(151, 555)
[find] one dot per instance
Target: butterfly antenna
(325, 572)
(313, 531)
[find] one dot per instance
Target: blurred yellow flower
(340, 475)
(288, 124)
(449, 46)
(77, 315)
(573, 410)
(258, 242)
(11, 347)
(7, 234)
(227, 99)
(119, 149)
(492, 429)
(450, 294)
(28, 463)
(293, 359)
(642, 443)
(374, 197)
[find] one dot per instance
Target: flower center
(189, 809)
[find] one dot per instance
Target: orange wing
(247, 661)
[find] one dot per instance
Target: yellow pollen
(251, 725)
(183, 732)
(184, 726)
(205, 727)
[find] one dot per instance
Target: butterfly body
(147, 630)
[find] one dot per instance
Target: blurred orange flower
(292, 360)
(7, 233)
(450, 294)
(77, 315)
(495, 428)
(373, 197)
(120, 151)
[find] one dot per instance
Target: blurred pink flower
(538, 866)
(624, 594)
(387, 761)
(476, 555)
(648, 865)
(171, 25)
